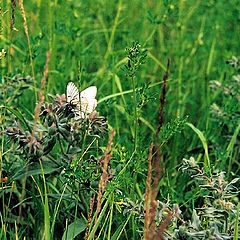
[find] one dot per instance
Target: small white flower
(2, 53)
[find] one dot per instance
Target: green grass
(89, 43)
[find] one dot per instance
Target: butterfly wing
(87, 100)
(83, 103)
(72, 94)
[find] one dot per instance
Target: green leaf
(98, 221)
(230, 147)
(236, 235)
(119, 86)
(35, 169)
(18, 115)
(205, 146)
(45, 206)
(74, 229)
(195, 223)
(120, 229)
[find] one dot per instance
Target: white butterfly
(83, 102)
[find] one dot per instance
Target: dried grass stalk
(40, 97)
(154, 172)
(104, 178)
(164, 224)
(13, 6)
(89, 217)
(148, 195)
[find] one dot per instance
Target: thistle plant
(218, 217)
(14, 87)
(59, 132)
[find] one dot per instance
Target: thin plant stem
(23, 13)
(135, 125)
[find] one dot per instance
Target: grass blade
(235, 236)
(205, 146)
(74, 229)
(19, 116)
(101, 215)
(120, 229)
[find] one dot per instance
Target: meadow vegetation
(160, 157)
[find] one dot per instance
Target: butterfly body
(82, 103)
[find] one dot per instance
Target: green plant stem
(56, 211)
(236, 227)
(47, 233)
(110, 42)
(135, 124)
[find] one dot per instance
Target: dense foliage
(158, 158)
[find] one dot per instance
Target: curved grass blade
(98, 221)
(236, 230)
(130, 91)
(19, 116)
(201, 136)
(120, 229)
(74, 229)
(230, 147)
(34, 168)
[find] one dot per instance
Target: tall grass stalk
(16, 231)
(151, 231)
(56, 211)
(121, 229)
(90, 213)
(236, 226)
(135, 121)
(40, 96)
(110, 222)
(104, 177)
(230, 149)
(207, 164)
(93, 227)
(148, 194)
(23, 13)
(116, 20)
(44, 199)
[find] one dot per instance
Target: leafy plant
(217, 217)
(225, 113)
(58, 129)
(60, 146)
